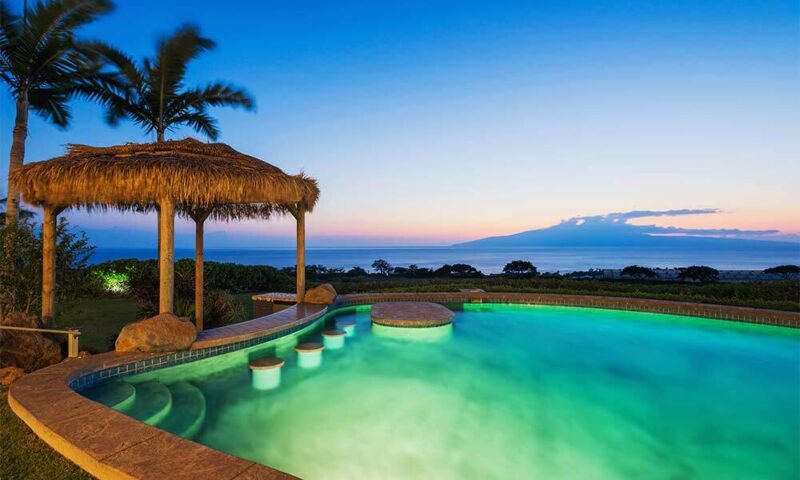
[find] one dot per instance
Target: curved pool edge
(732, 313)
(111, 445)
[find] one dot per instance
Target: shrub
(636, 271)
(699, 273)
(458, 270)
(218, 277)
(357, 272)
(21, 266)
(520, 268)
(784, 270)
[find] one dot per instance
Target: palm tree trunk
(17, 157)
(159, 135)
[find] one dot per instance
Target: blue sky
(435, 122)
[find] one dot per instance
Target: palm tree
(41, 63)
(22, 213)
(153, 93)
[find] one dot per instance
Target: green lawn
(99, 319)
(23, 456)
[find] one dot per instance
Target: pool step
(188, 411)
(118, 395)
(153, 402)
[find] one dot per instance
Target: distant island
(612, 230)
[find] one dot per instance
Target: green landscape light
(114, 282)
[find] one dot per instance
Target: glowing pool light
(349, 327)
(266, 373)
(309, 355)
(427, 334)
(333, 339)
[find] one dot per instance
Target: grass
(26, 457)
(99, 319)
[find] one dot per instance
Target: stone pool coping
(109, 444)
(719, 312)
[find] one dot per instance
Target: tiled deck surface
(259, 327)
(108, 444)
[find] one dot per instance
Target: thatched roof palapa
(193, 174)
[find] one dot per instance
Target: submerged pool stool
(333, 339)
(349, 327)
(309, 355)
(266, 373)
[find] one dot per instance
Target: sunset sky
(432, 122)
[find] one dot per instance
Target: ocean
(492, 260)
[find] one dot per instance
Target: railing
(72, 336)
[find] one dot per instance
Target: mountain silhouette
(612, 230)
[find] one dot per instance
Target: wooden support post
(301, 253)
(158, 239)
(166, 261)
(49, 263)
(199, 220)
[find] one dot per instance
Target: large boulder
(27, 350)
(324, 294)
(163, 333)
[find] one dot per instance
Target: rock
(21, 319)
(324, 294)
(27, 350)
(9, 374)
(163, 333)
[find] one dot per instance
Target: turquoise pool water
(514, 392)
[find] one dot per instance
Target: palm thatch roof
(193, 174)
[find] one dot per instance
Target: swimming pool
(511, 392)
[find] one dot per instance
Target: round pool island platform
(411, 314)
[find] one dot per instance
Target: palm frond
(51, 104)
(221, 95)
(200, 121)
(152, 94)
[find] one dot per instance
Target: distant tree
(520, 268)
(357, 272)
(636, 271)
(457, 270)
(784, 270)
(382, 266)
(699, 273)
(400, 271)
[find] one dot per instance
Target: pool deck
(111, 445)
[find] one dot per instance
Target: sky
(436, 122)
